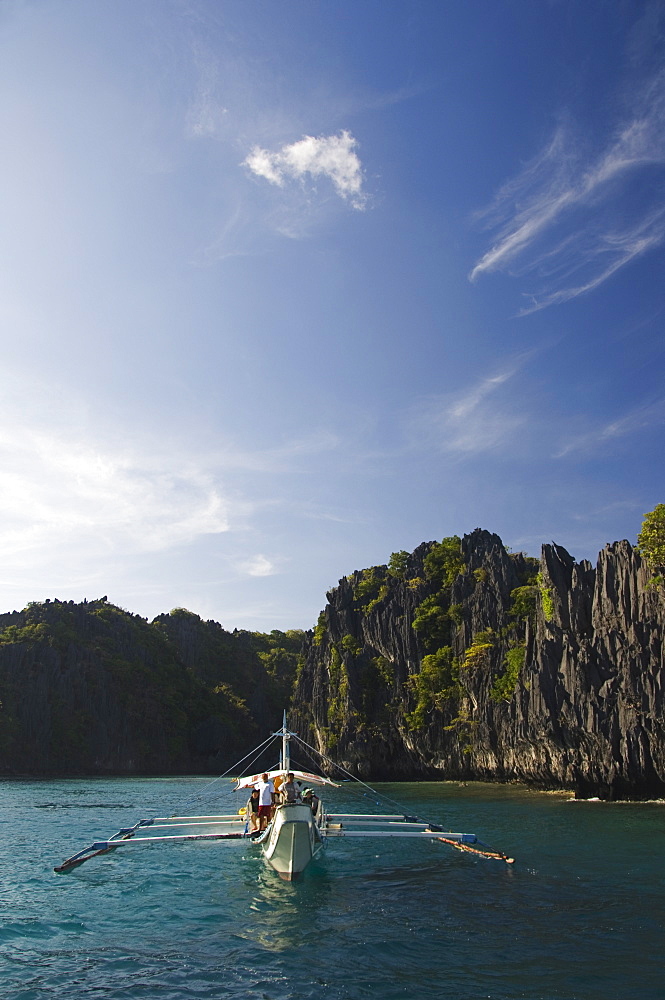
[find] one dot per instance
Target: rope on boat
(488, 853)
(202, 793)
(359, 781)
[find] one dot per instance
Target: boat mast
(286, 757)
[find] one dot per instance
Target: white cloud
(62, 490)
(618, 248)
(330, 156)
(563, 218)
(258, 565)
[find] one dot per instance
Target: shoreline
(568, 794)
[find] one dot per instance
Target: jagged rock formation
(459, 660)
(494, 667)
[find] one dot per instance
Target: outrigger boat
(296, 832)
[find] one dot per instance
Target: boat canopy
(309, 779)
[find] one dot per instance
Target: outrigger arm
(219, 828)
(373, 825)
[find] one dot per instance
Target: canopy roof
(305, 776)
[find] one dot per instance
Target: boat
(296, 832)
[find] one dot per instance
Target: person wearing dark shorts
(264, 816)
(253, 811)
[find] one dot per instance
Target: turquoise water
(580, 916)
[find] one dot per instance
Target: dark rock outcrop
(550, 674)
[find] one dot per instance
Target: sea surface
(579, 916)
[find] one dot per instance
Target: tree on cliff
(651, 539)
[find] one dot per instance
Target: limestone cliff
(92, 689)
(458, 660)
(479, 663)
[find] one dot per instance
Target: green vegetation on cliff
(504, 686)
(92, 688)
(397, 564)
(477, 654)
(371, 588)
(651, 541)
(434, 618)
(436, 683)
(524, 603)
(444, 562)
(432, 622)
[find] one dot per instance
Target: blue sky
(288, 286)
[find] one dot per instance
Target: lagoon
(580, 916)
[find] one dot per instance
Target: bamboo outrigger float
(296, 833)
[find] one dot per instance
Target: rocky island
(467, 661)
(460, 660)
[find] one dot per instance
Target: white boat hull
(292, 840)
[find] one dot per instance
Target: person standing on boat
(311, 799)
(266, 791)
(253, 810)
(290, 791)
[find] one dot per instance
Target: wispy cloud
(79, 496)
(207, 113)
(64, 492)
(571, 222)
(332, 156)
(639, 419)
(618, 506)
(468, 423)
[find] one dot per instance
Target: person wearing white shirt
(266, 792)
